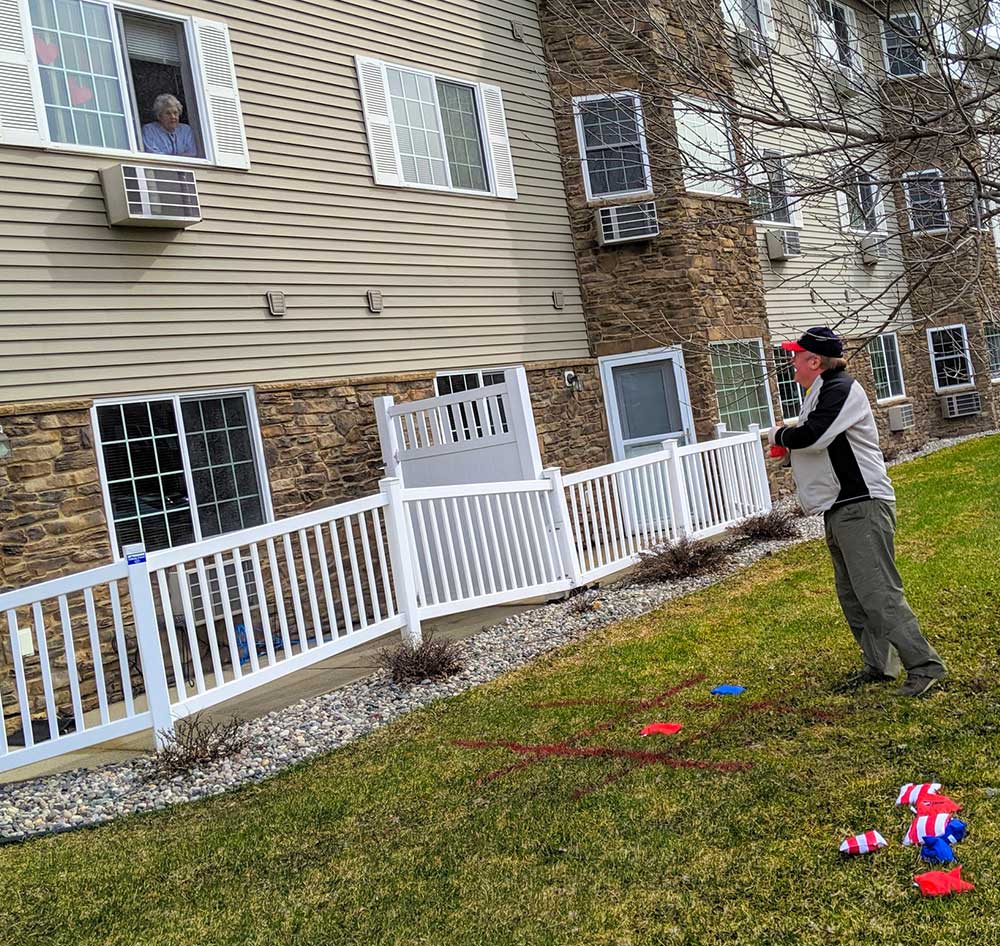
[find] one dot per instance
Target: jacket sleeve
(837, 408)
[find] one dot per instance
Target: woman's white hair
(166, 100)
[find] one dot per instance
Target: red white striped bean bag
(912, 791)
(863, 843)
(927, 826)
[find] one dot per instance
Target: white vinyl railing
(149, 640)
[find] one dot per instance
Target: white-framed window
(706, 147)
(741, 383)
(178, 468)
(887, 366)
(903, 55)
(769, 195)
(789, 390)
(612, 142)
(93, 76)
(860, 204)
(752, 16)
(926, 202)
(434, 131)
(991, 334)
(454, 382)
(837, 34)
(951, 365)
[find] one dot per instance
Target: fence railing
(149, 640)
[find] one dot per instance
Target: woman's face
(170, 117)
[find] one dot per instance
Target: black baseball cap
(819, 341)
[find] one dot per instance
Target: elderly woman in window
(167, 135)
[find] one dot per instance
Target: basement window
(178, 469)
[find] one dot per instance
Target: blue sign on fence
(136, 558)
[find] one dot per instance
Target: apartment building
(692, 288)
(356, 201)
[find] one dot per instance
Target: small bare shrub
(679, 560)
(775, 524)
(585, 602)
(197, 742)
(430, 660)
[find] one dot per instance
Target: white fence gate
(141, 643)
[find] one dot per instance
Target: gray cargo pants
(860, 539)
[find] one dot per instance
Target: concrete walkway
(323, 677)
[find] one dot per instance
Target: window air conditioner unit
(873, 249)
(961, 405)
(901, 417)
(624, 223)
(140, 196)
(749, 48)
(783, 244)
(846, 81)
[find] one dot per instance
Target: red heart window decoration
(47, 53)
(79, 94)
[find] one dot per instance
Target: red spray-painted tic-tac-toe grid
(632, 759)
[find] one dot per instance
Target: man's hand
(772, 433)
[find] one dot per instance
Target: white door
(646, 398)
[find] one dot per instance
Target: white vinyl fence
(144, 642)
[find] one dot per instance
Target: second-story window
(117, 77)
(433, 131)
(612, 144)
(925, 200)
(769, 198)
(836, 29)
(750, 15)
(902, 52)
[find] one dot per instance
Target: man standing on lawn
(839, 471)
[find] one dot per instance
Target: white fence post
(720, 431)
(761, 467)
(147, 631)
(387, 435)
(404, 583)
(679, 510)
(563, 526)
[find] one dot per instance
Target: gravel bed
(317, 725)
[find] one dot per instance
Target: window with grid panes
(886, 366)
(612, 145)
(459, 415)
(903, 55)
(741, 384)
(950, 357)
(789, 390)
(925, 200)
(102, 65)
(991, 332)
(438, 130)
(180, 469)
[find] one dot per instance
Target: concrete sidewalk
(323, 677)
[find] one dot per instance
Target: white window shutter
(21, 119)
(378, 122)
(843, 210)
(496, 132)
(225, 117)
(766, 18)
(881, 219)
(732, 13)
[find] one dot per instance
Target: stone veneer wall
(321, 447)
(698, 281)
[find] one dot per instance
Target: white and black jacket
(835, 453)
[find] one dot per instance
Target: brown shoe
(916, 686)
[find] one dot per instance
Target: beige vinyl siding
(810, 290)
(466, 280)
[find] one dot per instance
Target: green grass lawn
(397, 840)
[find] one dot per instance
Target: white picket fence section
(160, 636)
